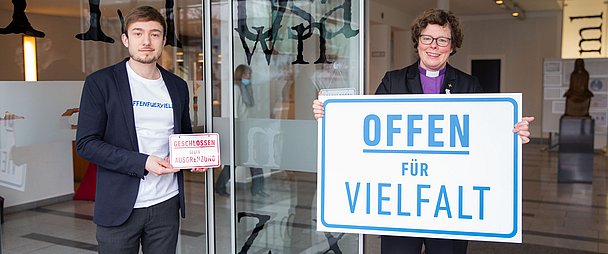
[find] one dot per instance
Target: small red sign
(199, 150)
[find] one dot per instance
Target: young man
(127, 112)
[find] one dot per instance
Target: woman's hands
(522, 128)
(317, 109)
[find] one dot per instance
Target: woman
(243, 101)
(436, 34)
(243, 93)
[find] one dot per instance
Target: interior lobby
(294, 50)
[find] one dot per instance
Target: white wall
(387, 29)
(36, 150)
(390, 49)
(380, 53)
(524, 44)
(380, 13)
(403, 49)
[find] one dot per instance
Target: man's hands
(158, 166)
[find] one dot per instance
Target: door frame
(503, 66)
(207, 51)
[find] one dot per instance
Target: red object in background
(86, 190)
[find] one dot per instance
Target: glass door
(100, 46)
(271, 58)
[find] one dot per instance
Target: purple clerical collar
(431, 80)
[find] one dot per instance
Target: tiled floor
(557, 217)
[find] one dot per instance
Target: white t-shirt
(153, 111)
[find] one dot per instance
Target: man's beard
(154, 59)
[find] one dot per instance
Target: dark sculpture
(20, 24)
(172, 39)
(96, 34)
(578, 96)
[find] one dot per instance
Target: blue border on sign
(414, 230)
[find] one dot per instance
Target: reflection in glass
(294, 49)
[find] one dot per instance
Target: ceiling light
(516, 11)
(512, 7)
(29, 58)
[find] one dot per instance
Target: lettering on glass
(272, 137)
(11, 175)
(333, 243)
(267, 37)
(20, 24)
(259, 226)
(590, 35)
(94, 33)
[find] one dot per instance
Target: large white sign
(440, 166)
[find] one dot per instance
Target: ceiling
(411, 7)
(72, 8)
(470, 7)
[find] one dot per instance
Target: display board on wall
(556, 81)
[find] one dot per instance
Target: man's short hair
(144, 13)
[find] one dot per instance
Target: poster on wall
(598, 84)
(599, 102)
(600, 120)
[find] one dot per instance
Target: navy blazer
(407, 81)
(106, 136)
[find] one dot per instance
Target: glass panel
(288, 50)
(73, 39)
